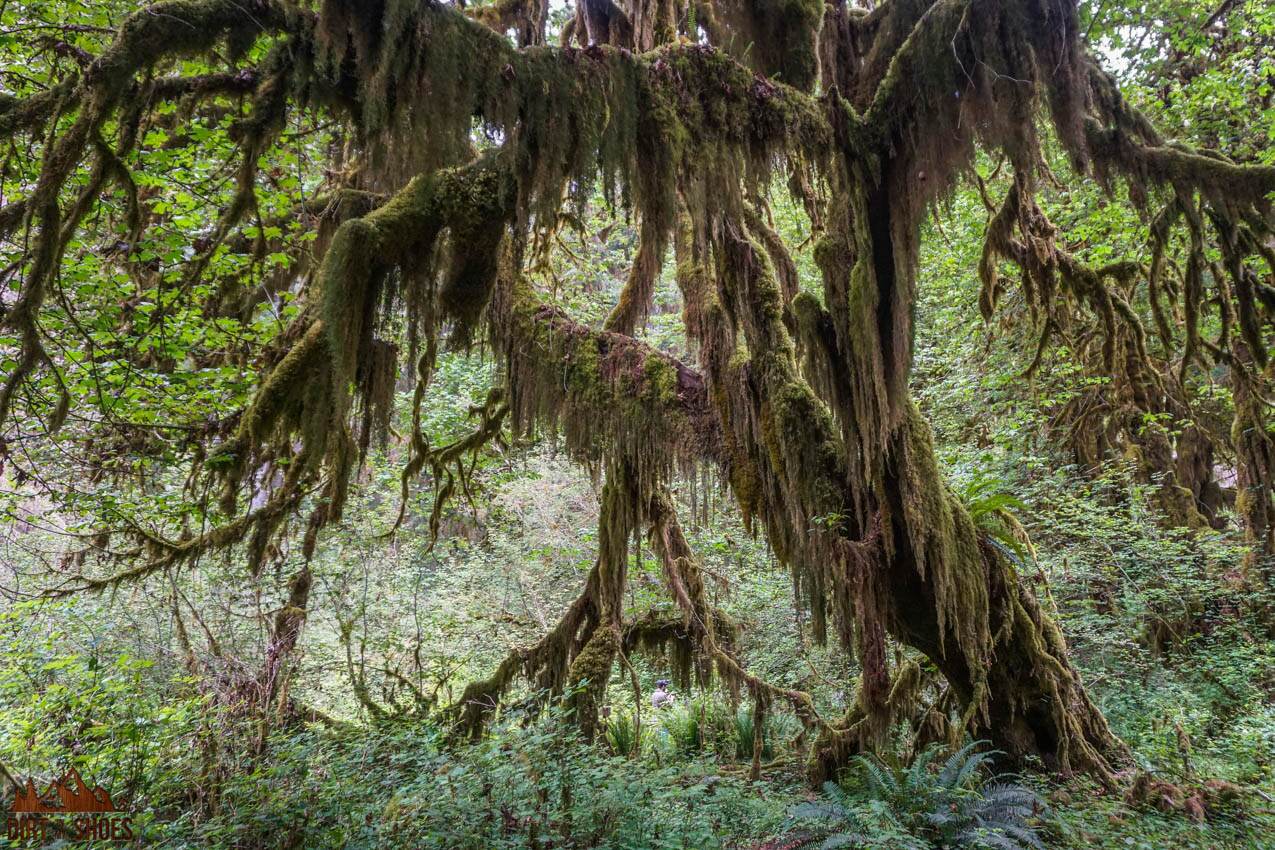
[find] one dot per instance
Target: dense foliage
(393, 392)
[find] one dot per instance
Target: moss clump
(588, 678)
(829, 454)
(777, 38)
(661, 380)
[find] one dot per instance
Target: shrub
(918, 806)
(529, 784)
(623, 735)
(700, 726)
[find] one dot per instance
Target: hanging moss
(944, 542)
(777, 38)
(588, 678)
(706, 630)
(576, 656)
(609, 395)
(634, 303)
(526, 17)
(1059, 286)
(827, 455)
(663, 634)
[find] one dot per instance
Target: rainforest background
(394, 391)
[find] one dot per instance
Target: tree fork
(1004, 658)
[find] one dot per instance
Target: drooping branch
(172, 29)
(576, 656)
(701, 620)
(634, 303)
(826, 454)
(675, 86)
(1145, 386)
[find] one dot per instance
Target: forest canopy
(907, 341)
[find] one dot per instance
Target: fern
(918, 775)
(843, 839)
(923, 805)
(970, 765)
(957, 766)
(623, 735)
(994, 510)
(882, 780)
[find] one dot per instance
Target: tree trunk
(890, 548)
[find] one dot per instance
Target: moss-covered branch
(827, 454)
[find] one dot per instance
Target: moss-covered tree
(465, 143)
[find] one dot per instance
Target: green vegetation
(911, 806)
(743, 424)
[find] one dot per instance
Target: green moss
(583, 365)
(660, 379)
(805, 438)
(589, 676)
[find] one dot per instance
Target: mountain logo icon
(69, 808)
(68, 795)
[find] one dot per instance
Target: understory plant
(702, 724)
(776, 729)
(921, 805)
(531, 784)
(623, 734)
(707, 725)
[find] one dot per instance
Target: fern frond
(954, 769)
(821, 811)
(881, 780)
(987, 839)
(1009, 795)
(834, 790)
(918, 775)
(1025, 836)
